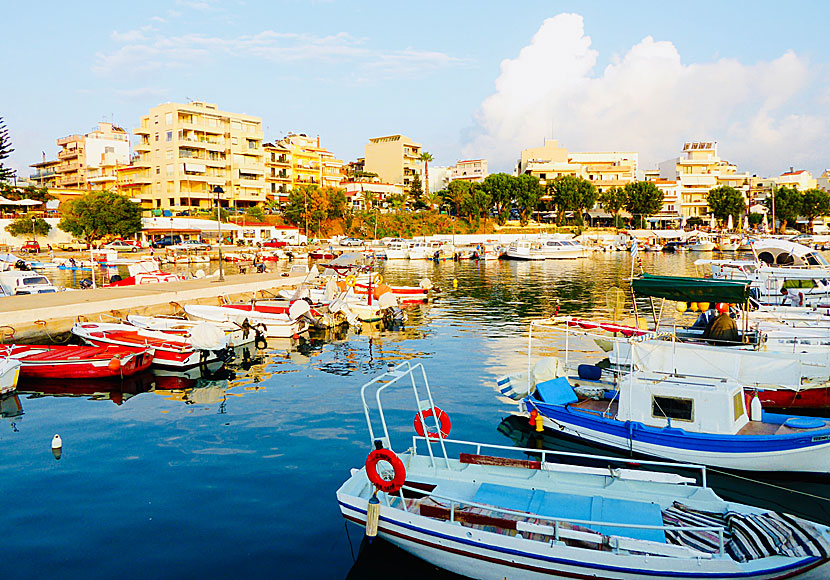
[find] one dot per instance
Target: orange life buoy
(378, 479)
(444, 423)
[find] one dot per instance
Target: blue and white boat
(493, 512)
(687, 418)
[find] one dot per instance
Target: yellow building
(45, 174)
(299, 160)
(699, 171)
(603, 169)
(395, 159)
(188, 149)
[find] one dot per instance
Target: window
(158, 170)
(156, 119)
(169, 136)
(169, 169)
(168, 119)
(738, 405)
(157, 136)
(234, 141)
(168, 154)
(672, 408)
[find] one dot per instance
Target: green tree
(501, 188)
(397, 201)
(787, 205)
(427, 159)
(255, 213)
(99, 214)
(755, 219)
(457, 193)
(29, 226)
(570, 193)
(725, 201)
(643, 199)
(612, 200)
(337, 202)
(416, 191)
(528, 194)
(29, 192)
(5, 150)
(480, 203)
(815, 203)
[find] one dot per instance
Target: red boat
(79, 362)
(171, 353)
(112, 389)
(811, 398)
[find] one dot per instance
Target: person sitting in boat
(704, 318)
(722, 329)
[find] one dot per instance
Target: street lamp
(219, 191)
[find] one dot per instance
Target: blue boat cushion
(556, 392)
(548, 504)
(589, 372)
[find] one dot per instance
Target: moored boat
(493, 512)
(78, 362)
(9, 374)
(273, 325)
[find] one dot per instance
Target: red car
(31, 246)
(274, 243)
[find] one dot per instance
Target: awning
(684, 289)
(194, 167)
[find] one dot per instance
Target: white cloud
(649, 101)
(141, 53)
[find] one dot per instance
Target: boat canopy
(685, 289)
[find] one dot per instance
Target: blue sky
(465, 79)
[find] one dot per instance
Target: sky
(466, 79)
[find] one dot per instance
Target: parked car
(351, 242)
(189, 245)
(31, 246)
(274, 243)
(121, 246)
(165, 241)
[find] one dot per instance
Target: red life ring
(380, 482)
(444, 423)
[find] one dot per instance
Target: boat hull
(488, 556)
(72, 362)
(808, 452)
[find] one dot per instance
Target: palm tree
(426, 158)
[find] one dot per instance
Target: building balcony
(70, 139)
(69, 153)
(69, 181)
(141, 131)
(142, 147)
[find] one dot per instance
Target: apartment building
(800, 179)
(474, 170)
(823, 182)
(189, 149)
(395, 159)
(89, 161)
(698, 171)
(298, 159)
(603, 169)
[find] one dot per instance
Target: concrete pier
(44, 317)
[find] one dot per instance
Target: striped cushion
(760, 535)
(681, 515)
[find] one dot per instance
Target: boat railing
(456, 505)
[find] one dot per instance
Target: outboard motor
(21, 265)
(85, 283)
(115, 278)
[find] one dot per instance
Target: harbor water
(234, 475)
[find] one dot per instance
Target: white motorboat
(524, 250)
(494, 512)
(9, 373)
(237, 335)
(728, 244)
(397, 249)
(272, 325)
(562, 249)
(427, 250)
(16, 282)
(700, 243)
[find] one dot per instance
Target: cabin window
(738, 405)
(803, 284)
(672, 408)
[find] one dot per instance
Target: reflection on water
(246, 462)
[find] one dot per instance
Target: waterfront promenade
(38, 316)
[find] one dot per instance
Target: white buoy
(755, 412)
(57, 446)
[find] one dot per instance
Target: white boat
(272, 325)
(15, 282)
(524, 250)
(490, 251)
(9, 373)
(700, 243)
(427, 250)
(397, 249)
(237, 336)
(728, 244)
(494, 512)
(562, 249)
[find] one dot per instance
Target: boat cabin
(692, 403)
(776, 252)
(16, 282)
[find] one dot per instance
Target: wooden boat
(171, 352)
(79, 362)
(496, 512)
(9, 373)
(273, 325)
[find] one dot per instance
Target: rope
(772, 485)
(46, 330)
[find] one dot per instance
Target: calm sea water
(234, 476)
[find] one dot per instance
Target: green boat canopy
(684, 289)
